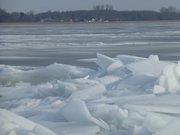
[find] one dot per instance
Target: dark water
(44, 44)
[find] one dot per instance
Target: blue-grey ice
(125, 95)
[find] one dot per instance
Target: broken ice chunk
(77, 111)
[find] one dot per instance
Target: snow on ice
(127, 95)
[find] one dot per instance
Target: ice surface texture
(127, 95)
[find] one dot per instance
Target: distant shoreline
(45, 23)
(89, 16)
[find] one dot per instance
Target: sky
(67, 5)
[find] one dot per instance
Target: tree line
(99, 13)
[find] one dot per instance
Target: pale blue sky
(64, 5)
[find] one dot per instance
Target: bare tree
(108, 7)
(103, 7)
(170, 9)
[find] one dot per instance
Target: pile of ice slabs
(126, 95)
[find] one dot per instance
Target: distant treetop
(170, 9)
(103, 7)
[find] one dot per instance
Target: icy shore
(127, 95)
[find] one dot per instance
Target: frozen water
(13, 124)
(169, 79)
(77, 111)
(54, 71)
(140, 131)
(126, 95)
(172, 128)
(150, 66)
